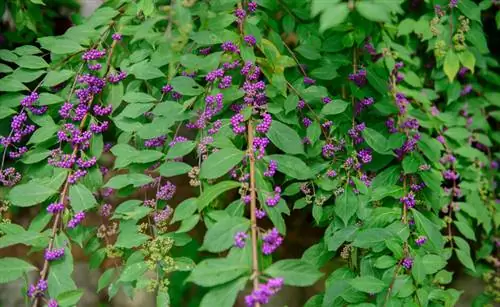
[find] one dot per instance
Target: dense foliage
(376, 118)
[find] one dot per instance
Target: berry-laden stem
(253, 207)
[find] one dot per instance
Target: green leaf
(468, 60)
(368, 284)
(69, 298)
(295, 272)
(465, 259)
(376, 141)
(433, 263)
(346, 205)
(30, 238)
(292, 166)
(220, 162)
(138, 97)
(220, 236)
(81, 198)
(212, 272)
(135, 110)
(224, 295)
(59, 45)
(8, 84)
(13, 268)
(370, 237)
(120, 181)
(29, 194)
(385, 262)
(171, 168)
(48, 99)
(429, 229)
(184, 210)
(180, 149)
(285, 138)
(105, 279)
(451, 65)
(373, 11)
(211, 193)
(470, 9)
(337, 106)
(186, 86)
(43, 133)
(465, 229)
(133, 271)
(32, 62)
(188, 224)
(146, 71)
(333, 16)
(34, 156)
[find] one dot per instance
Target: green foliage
(374, 120)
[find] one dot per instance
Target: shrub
(375, 118)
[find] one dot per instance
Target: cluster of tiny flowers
(54, 254)
(240, 15)
(466, 90)
(301, 104)
(54, 208)
(363, 104)
(328, 150)
(411, 124)
(390, 123)
(37, 290)
(115, 78)
(93, 54)
(309, 81)
(167, 191)
(306, 121)
(52, 303)
(450, 175)
(230, 47)
(407, 263)
(225, 82)
(86, 163)
(76, 220)
(213, 105)
(9, 177)
(252, 6)
(365, 155)
(453, 3)
(105, 210)
(408, 200)
(359, 77)
(116, 36)
(163, 215)
(259, 146)
(275, 199)
(271, 169)
(420, 240)
(264, 126)
(402, 102)
(240, 239)
(331, 173)
(417, 187)
(355, 133)
(205, 51)
(79, 173)
(178, 139)
(408, 146)
(271, 241)
(100, 110)
(326, 100)
(250, 40)
(155, 142)
(264, 292)
(370, 49)
(19, 129)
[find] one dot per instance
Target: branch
(253, 207)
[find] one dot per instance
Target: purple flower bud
(240, 239)
(309, 81)
(52, 303)
(407, 263)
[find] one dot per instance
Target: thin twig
(253, 207)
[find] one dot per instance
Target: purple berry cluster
(54, 254)
(265, 291)
(271, 169)
(52, 303)
(76, 220)
(408, 200)
(407, 263)
(54, 208)
(240, 239)
(271, 241)
(420, 240)
(38, 289)
(275, 199)
(259, 146)
(162, 215)
(265, 124)
(359, 77)
(167, 191)
(355, 133)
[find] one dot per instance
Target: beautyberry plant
(375, 120)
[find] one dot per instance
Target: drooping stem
(253, 207)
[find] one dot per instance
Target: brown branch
(253, 207)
